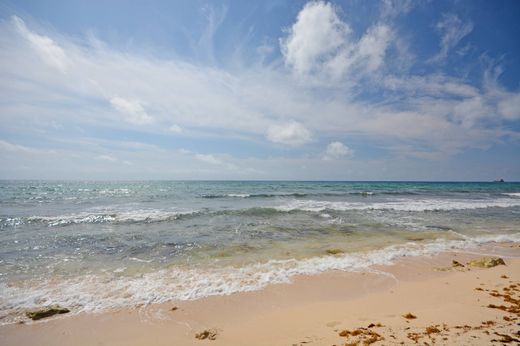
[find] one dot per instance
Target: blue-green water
(93, 245)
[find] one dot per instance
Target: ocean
(93, 245)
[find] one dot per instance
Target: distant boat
(499, 180)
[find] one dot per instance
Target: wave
(512, 194)
(101, 292)
(400, 205)
(128, 217)
(159, 215)
(307, 194)
(142, 215)
(255, 195)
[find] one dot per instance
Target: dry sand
(452, 306)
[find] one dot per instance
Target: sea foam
(138, 215)
(399, 205)
(112, 290)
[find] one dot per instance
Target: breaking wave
(400, 205)
(107, 291)
(294, 205)
(307, 194)
(133, 216)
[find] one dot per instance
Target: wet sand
(452, 305)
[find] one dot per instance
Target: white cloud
(433, 85)
(437, 113)
(48, 50)
(214, 17)
(509, 106)
(316, 36)
(106, 158)
(337, 150)
(320, 44)
(132, 109)
(175, 128)
(453, 30)
(185, 151)
(208, 158)
(394, 8)
(16, 148)
(292, 134)
(373, 45)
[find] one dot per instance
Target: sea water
(92, 245)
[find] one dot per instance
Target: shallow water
(94, 245)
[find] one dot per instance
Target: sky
(265, 90)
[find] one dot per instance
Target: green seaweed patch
(409, 316)
(334, 251)
(364, 336)
(487, 262)
(415, 238)
(456, 264)
(208, 334)
(46, 311)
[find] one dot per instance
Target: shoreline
(111, 291)
(315, 309)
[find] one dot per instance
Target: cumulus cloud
(292, 134)
(337, 150)
(453, 30)
(132, 109)
(320, 44)
(316, 36)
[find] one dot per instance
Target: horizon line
(263, 180)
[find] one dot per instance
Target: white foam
(12, 221)
(140, 260)
(111, 290)
(115, 191)
(400, 205)
(512, 194)
(139, 215)
(238, 195)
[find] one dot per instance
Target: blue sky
(347, 90)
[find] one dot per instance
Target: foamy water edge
(95, 293)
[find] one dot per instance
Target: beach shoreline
(452, 301)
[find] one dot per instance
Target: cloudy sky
(346, 90)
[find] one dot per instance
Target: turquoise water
(96, 245)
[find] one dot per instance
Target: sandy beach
(424, 300)
(278, 173)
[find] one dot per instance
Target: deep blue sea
(96, 245)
